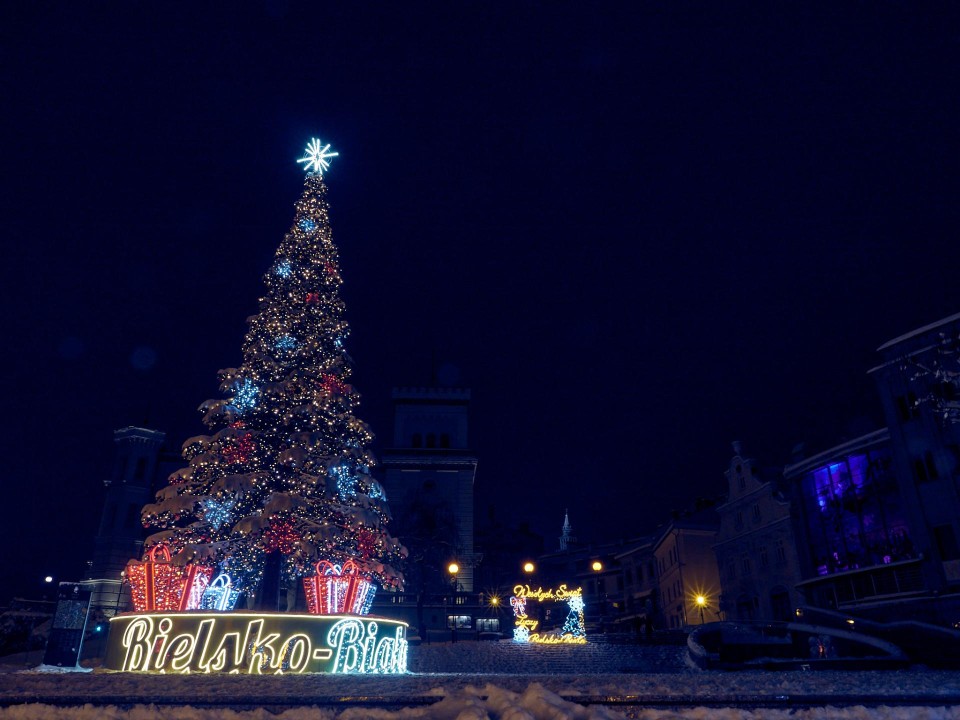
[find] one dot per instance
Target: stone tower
(429, 478)
(128, 489)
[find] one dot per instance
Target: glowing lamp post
(453, 569)
(701, 604)
(597, 566)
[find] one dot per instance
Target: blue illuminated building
(857, 543)
(878, 518)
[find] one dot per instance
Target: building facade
(687, 570)
(919, 384)
(756, 546)
(856, 544)
(640, 597)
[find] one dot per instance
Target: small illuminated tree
(285, 474)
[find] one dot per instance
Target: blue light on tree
(284, 268)
(317, 157)
(217, 512)
(245, 395)
(307, 225)
(286, 343)
(346, 485)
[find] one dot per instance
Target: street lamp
(529, 567)
(47, 583)
(453, 568)
(597, 567)
(701, 604)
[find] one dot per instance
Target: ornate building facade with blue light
(857, 544)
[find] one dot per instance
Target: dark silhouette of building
(120, 536)
(429, 476)
(878, 517)
(919, 384)
(756, 546)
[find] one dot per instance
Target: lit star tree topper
(317, 157)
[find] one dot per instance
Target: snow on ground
(500, 681)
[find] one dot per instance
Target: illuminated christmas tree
(284, 479)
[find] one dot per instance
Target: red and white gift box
(157, 584)
(336, 589)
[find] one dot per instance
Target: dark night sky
(637, 231)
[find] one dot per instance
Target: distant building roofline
(134, 431)
(919, 331)
(859, 443)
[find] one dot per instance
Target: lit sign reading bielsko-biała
(256, 643)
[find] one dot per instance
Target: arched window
(444, 440)
(417, 440)
(431, 440)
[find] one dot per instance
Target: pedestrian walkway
(596, 657)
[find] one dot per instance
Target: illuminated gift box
(157, 584)
(338, 589)
(196, 578)
(220, 594)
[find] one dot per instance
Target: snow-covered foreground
(470, 703)
(490, 680)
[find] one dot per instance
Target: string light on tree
(286, 343)
(217, 512)
(245, 395)
(280, 537)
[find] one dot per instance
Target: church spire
(566, 537)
